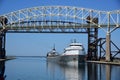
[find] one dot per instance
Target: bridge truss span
(60, 19)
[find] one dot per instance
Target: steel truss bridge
(63, 19)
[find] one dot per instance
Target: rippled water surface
(40, 69)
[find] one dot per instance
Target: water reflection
(103, 72)
(2, 70)
(40, 69)
(67, 72)
(99, 72)
(108, 72)
(90, 71)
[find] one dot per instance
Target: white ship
(73, 54)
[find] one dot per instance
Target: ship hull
(67, 59)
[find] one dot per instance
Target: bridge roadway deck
(60, 28)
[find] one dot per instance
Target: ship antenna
(54, 47)
(71, 41)
(74, 40)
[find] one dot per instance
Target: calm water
(39, 69)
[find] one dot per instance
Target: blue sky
(40, 44)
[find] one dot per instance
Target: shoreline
(104, 62)
(7, 58)
(97, 62)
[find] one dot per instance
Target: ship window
(75, 45)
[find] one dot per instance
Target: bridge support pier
(2, 45)
(108, 42)
(108, 47)
(92, 44)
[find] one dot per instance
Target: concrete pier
(108, 47)
(108, 38)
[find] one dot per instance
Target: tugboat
(73, 54)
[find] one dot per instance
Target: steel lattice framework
(59, 19)
(63, 19)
